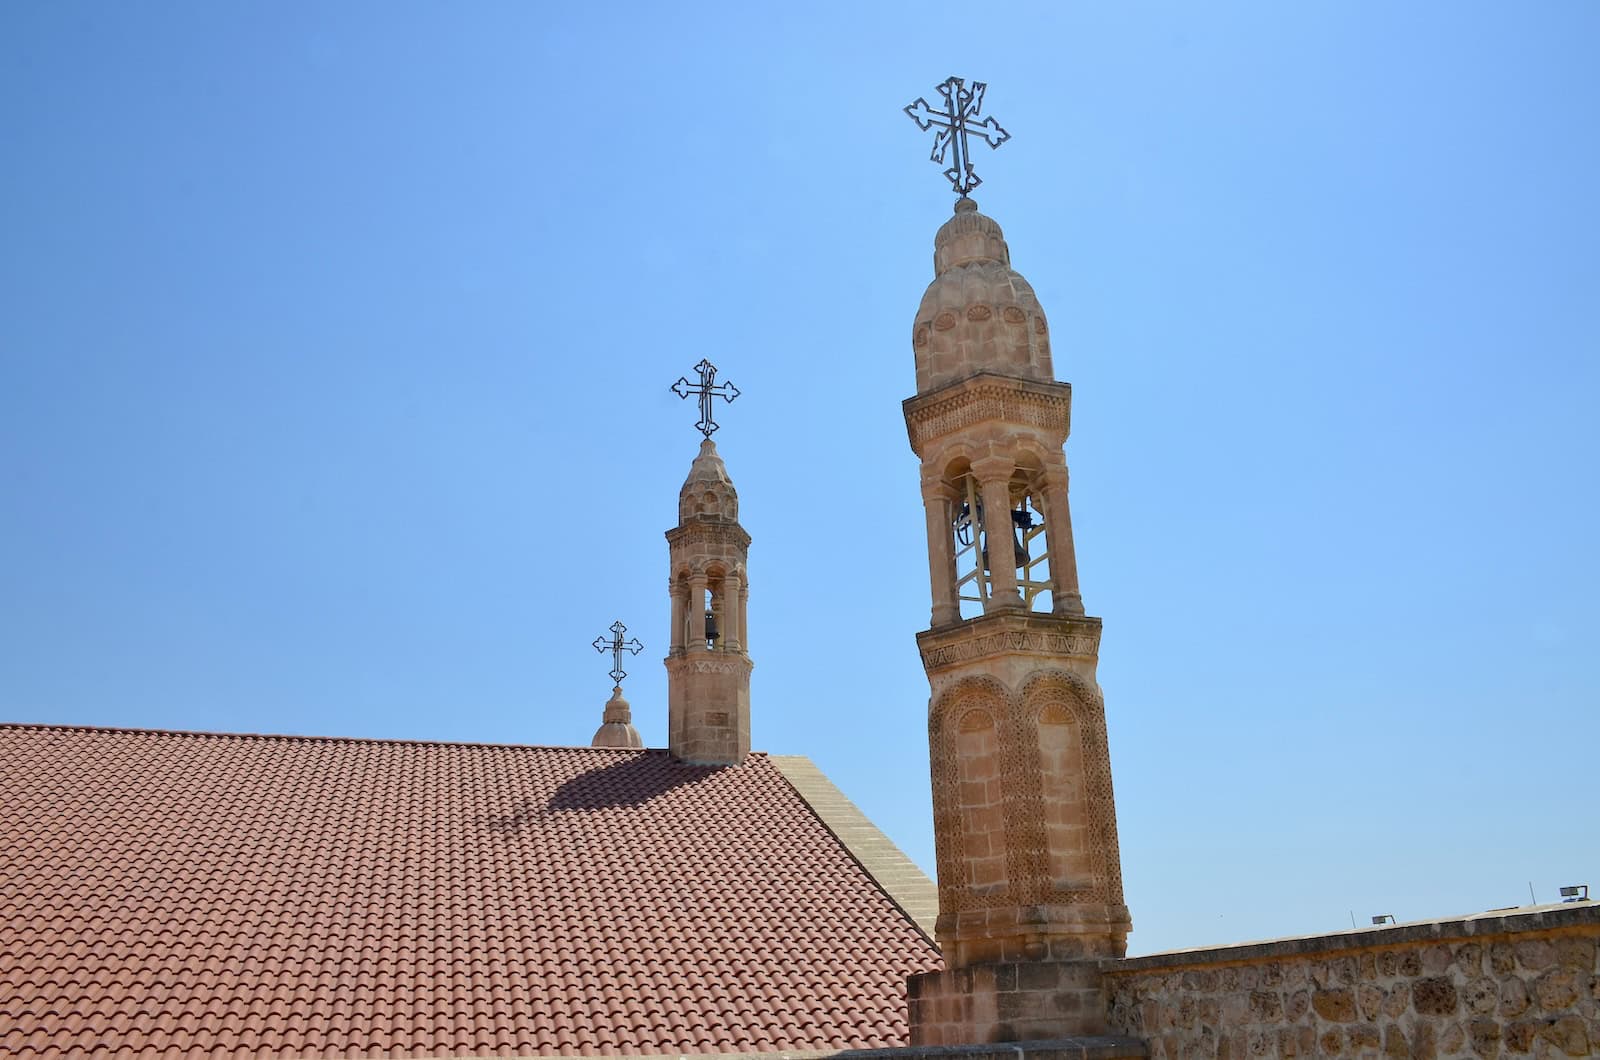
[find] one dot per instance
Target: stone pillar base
(1007, 1002)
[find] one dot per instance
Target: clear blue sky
(335, 342)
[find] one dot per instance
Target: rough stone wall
(1489, 986)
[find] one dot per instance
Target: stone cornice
(1019, 633)
(985, 397)
(713, 531)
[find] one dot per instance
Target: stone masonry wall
(1500, 984)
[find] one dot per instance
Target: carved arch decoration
(1084, 703)
(966, 698)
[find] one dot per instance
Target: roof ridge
(150, 731)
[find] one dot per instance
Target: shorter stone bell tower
(708, 665)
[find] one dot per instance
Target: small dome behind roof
(616, 728)
(708, 492)
(978, 314)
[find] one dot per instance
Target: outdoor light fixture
(1383, 918)
(1577, 893)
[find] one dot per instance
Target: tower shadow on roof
(631, 781)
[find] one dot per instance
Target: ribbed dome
(616, 727)
(708, 491)
(978, 314)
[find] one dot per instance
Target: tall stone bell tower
(708, 663)
(1030, 879)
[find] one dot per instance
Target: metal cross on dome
(705, 390)
(959, 117)
(616, 646)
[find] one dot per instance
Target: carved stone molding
(1044, 636)
(714, 532)
(697, 662)
(987, 397)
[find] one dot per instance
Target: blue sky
(335, 343)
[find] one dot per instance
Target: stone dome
(978, 314)
(616, 727)
(708, 492)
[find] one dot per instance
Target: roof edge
(147, 731)
(896, 875)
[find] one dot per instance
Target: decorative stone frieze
(989, 397)
(710, 533)
(1005, 635)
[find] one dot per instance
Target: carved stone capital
(994, 469)
(984, 398)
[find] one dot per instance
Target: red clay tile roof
(270, 894)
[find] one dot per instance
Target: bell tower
(708, 664)
(1030, 879)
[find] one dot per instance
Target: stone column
(733, 636)
(697, 613)
(744, 615)
(994, 483)
(937, 500)
(1058, 533)
(676, 589)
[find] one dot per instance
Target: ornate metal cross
(961, 107)
(706, 389)
(616, 646)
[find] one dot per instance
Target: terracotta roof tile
(168, 892)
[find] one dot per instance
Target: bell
(712, 633)
(1022, 519)
(1019, 553)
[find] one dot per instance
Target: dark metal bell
(1019, 553)
(712, 633)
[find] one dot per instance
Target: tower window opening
(1026, 546)
(713, 607)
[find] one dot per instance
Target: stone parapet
(1007, 1002)
(1093, 1047)
(1505, 982)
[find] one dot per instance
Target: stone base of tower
(1007, 1001)
(708, 707)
